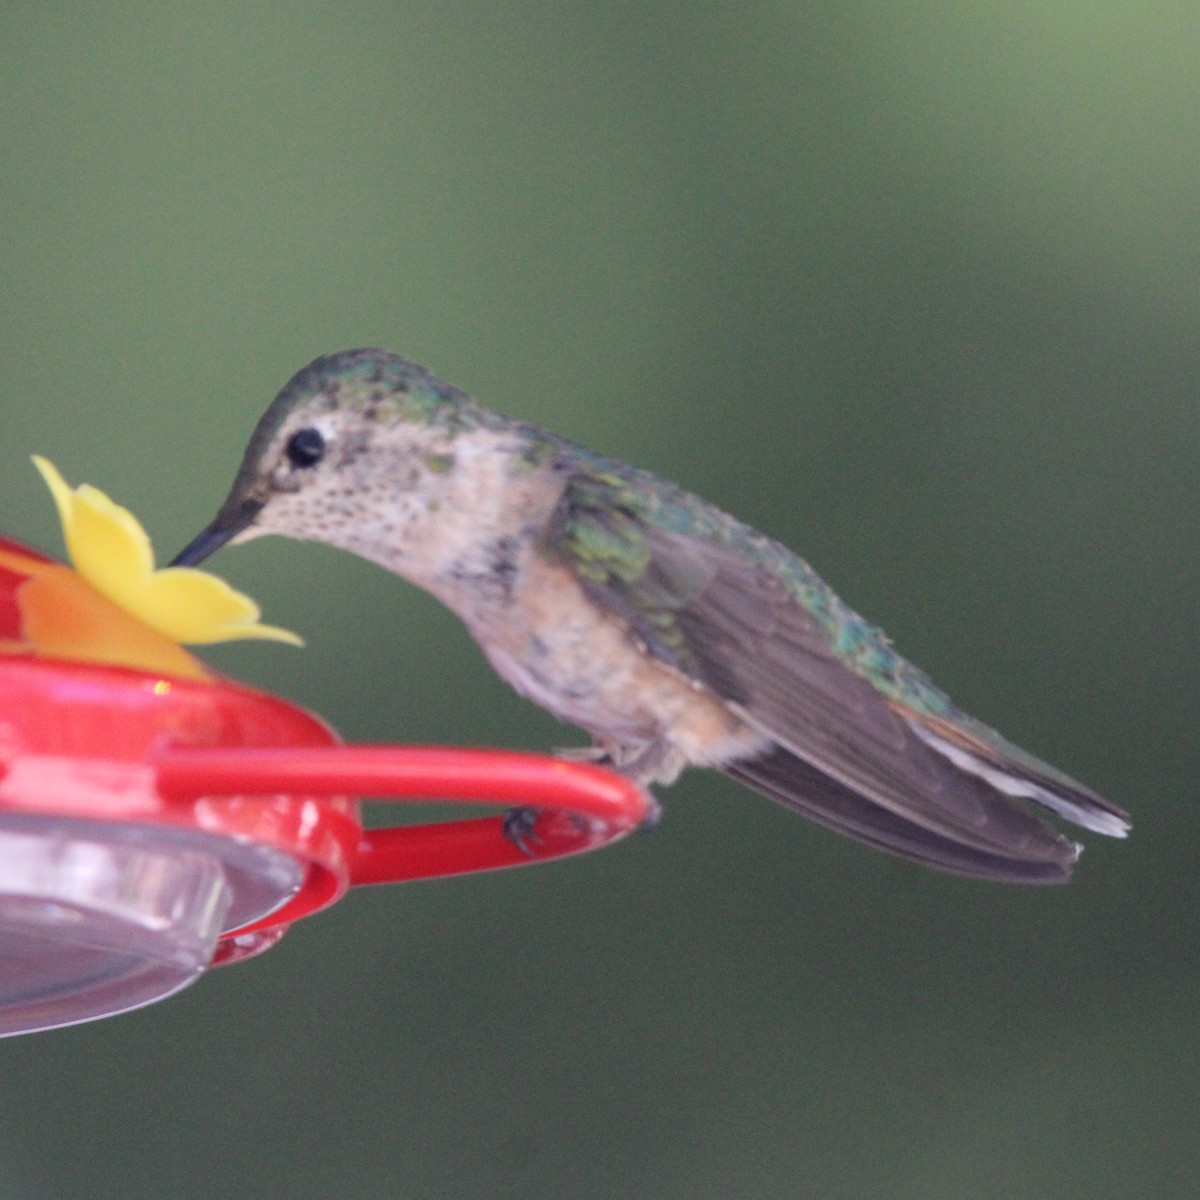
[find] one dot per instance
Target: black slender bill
(225, 527)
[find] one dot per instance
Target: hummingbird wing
(861, 740)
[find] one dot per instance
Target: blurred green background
(913, 287)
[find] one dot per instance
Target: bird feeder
(157, 819)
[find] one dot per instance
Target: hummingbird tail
(982, 752)
(1038, 854)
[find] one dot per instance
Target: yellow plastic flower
(110, 550)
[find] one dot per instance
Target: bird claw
(601, 756)
(596, 755)
(519, 826)
(654, 812)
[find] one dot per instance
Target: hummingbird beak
(227, 524)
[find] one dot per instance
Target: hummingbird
(669, 631)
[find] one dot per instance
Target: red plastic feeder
(152, 824)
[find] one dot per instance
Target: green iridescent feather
(605, 528)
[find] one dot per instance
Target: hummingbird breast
(549, 640)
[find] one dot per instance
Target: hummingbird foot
(599, 756)
(519, 826)
(653, 817)
(651, 761)
(603, 756)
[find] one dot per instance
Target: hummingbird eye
(305, 448)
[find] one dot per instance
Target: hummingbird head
(355, 444)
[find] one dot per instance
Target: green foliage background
(913, 287)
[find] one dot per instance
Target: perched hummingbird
(672, 633)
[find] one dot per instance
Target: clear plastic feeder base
(97, 918)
